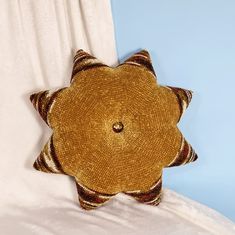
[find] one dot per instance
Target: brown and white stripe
(90, 199)
(83, 61)
(43, 102)
(184, 97)
(185, 155)
(142, 59)
(151, 197)
(48, 161)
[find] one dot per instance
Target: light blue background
(192, 44)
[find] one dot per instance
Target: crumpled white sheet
(37, 41)
(175, 215)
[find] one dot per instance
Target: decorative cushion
(114, 130)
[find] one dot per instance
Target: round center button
(118, 127)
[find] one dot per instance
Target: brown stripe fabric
(184, 97)
(185, 155)
(43, 101)
(83, 61)
(142, 59)
(151, 197)
(90, 199)
(47, 160)
(35, 165)
(50, 101)
(182, 94)
(85, 205)
(40, 165)
(43, 161)
(54, 157)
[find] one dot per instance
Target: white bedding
(175, 215)
(37, 42)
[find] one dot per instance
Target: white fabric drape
(38, 39)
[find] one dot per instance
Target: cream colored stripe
(50, 163)
(79, 56)
(177, 155)
(192, 156)
(37, 100)
(41, 164)
(140, 55)
(50, 94)
(91, 203)
(158, 182)
(154, 200)
(189, 154)
(49, 159)
(189, 95)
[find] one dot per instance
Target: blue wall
(192, 43)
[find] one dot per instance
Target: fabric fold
(38, 41)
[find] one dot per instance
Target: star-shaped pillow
(114, 130)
